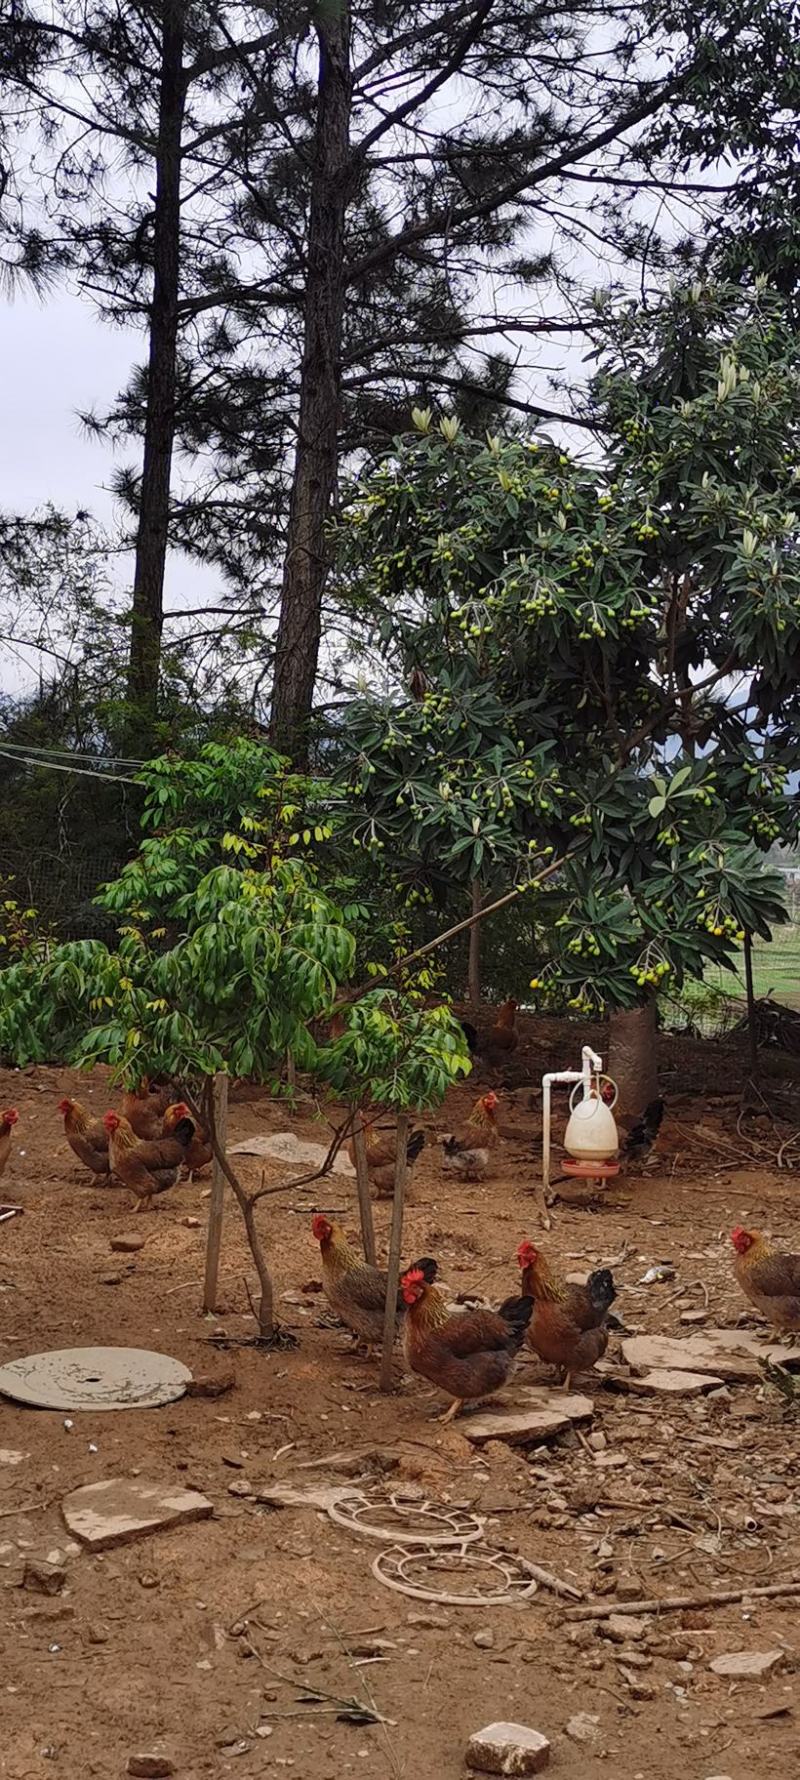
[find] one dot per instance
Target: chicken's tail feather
(516, 1313)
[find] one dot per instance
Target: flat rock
(583, 1728)
(127, 1244)
(119, 1509)
(530, 1414)
(284, 1146)
(150, 1765)
(619, 1627)
(508, 1749)
(732, 1355)
(662, 1381)
(694, 1318)
(746, 1665)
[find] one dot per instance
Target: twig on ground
(676, 1603)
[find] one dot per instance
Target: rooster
(87, 1138)
(381, 1179)
(468, 1354)
(8, 1120)
(769, 1278)
(466, 1150)
(568, 1324)
(146, 1166)
(199, 1152)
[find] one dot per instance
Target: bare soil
(145, 1645)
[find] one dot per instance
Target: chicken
(145, 1108)
(769, 1278)
(503, 1037)
(588, 1305)
(355, 1291)
(641, 1138)
(8, 1120)
(567, 1328)
(199, 1152)
(146, 1166)
(87, 1138)
(468, 1354)
(466, 1150)
(380, 1146)
(381, 1179)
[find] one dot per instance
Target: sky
(57, 360)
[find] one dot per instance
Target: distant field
(776, 968)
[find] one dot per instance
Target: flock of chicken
(471, 1353)
(147, 1145)
(466, 1352)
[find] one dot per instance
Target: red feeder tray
(591, 1170)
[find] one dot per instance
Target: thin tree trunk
(159, 435)
(316, 457)
(752, 1028)
(474, 961)
(217, 1106)
(632, 1057)
(395, 1245)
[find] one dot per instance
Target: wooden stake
(364, 1200)
(219, 1131)
(395, 1244)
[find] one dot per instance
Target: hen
(381, 1179)
(145, 1108)
(147, 1167)
(87, 1138)
(467, 1354)
(356, 1292)
(8, 1120)
(503, 1036)
(769, 1278)
(199, 1152)
(466, 1150)
(588, 1304)
(568, 1324)
(636, 1147)
(380, 1146)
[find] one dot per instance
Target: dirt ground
(147, 1644)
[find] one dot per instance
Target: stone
(733, 1355)
(44, 1577)
(191, 1223)
(508, 1749)
(151, 1765)
(663, 1381)
(111, 1279)
(694, 1318)
(533, 1415)
(429, 1622)
(484, 1640)
(619, 1627)
(241, 1487)
(285, 1146)
(211, 1384)
(583, 1728)
(637, 1688)
(118, 1509)
(127, 1244)
(746, 1665)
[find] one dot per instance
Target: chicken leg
(457, 1403)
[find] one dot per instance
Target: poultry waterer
(591, 1139)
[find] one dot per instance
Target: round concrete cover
(95, 1378)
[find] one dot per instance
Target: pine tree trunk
(152, 534)
(316, 457)
(632, 1059)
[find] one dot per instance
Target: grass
(776, 969)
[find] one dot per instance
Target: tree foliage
(599, 659)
